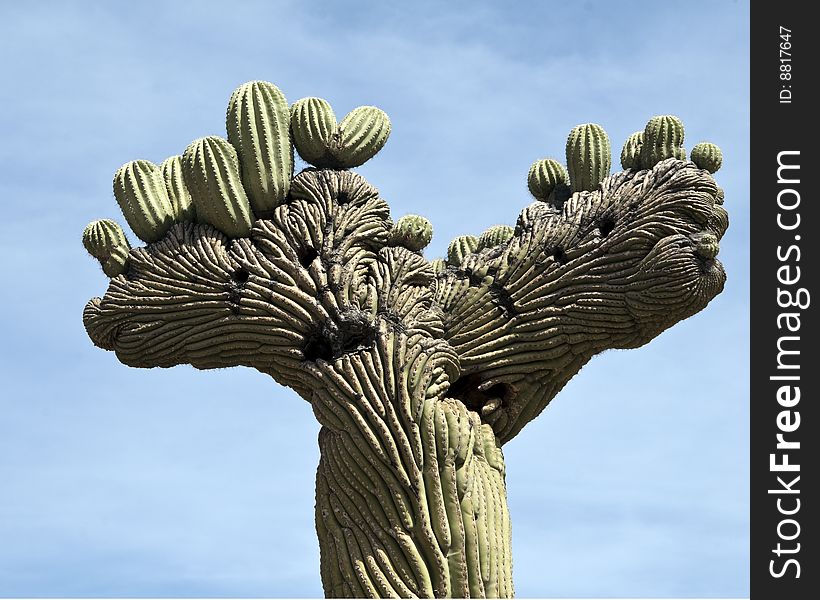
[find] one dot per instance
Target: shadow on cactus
(418, 371)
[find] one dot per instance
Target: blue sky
(125, 482)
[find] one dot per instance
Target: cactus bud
(460, 248)
(707, 156)
(495, 235)
(117, 263)
(312, 124)
(105, 241)
(140, 191)
(588, 157)
(544, 175)
(412, 232)
(258, 124)
(211, 171)
(182, 205)
(631, 152)
(662, 139)
(439, 266)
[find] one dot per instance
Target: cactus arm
(139, 188)
(662, 139)
(258, 124)
(182, 204)
(612, 269)
(588, 156)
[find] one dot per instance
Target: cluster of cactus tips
(229, 183)
(588, 159)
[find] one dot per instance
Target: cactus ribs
(418, 371)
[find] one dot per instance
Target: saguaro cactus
(418, 371)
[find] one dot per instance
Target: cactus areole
(418, 370)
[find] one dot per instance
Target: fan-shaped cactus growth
(418, 371)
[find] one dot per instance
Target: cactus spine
(258, 124)
(105, 240)
(662, 139)
(140, 191)
(544, 176)
(495, 235)
(351, 143)
(588, 156)
(707, 156)
(211, 171)
(412, 232)
(313, 124)
(631, 152)
(182, 205)
(460, 248)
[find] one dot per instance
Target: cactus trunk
(442, 532)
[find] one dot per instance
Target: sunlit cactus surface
(418, 369)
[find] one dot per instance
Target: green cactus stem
(182, 205)
(139, 188)
(412, 232)
(360, 135)
(313, 125)
(105, 240)
(631, 152)
(588, 157)
(662, 139)
(351, 143)
(707, 156)
(544, 176)
(439, 265)
(494, 236)
(460, 248)
(258, 124)
(211, 171)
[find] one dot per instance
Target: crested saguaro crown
(418, 371)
